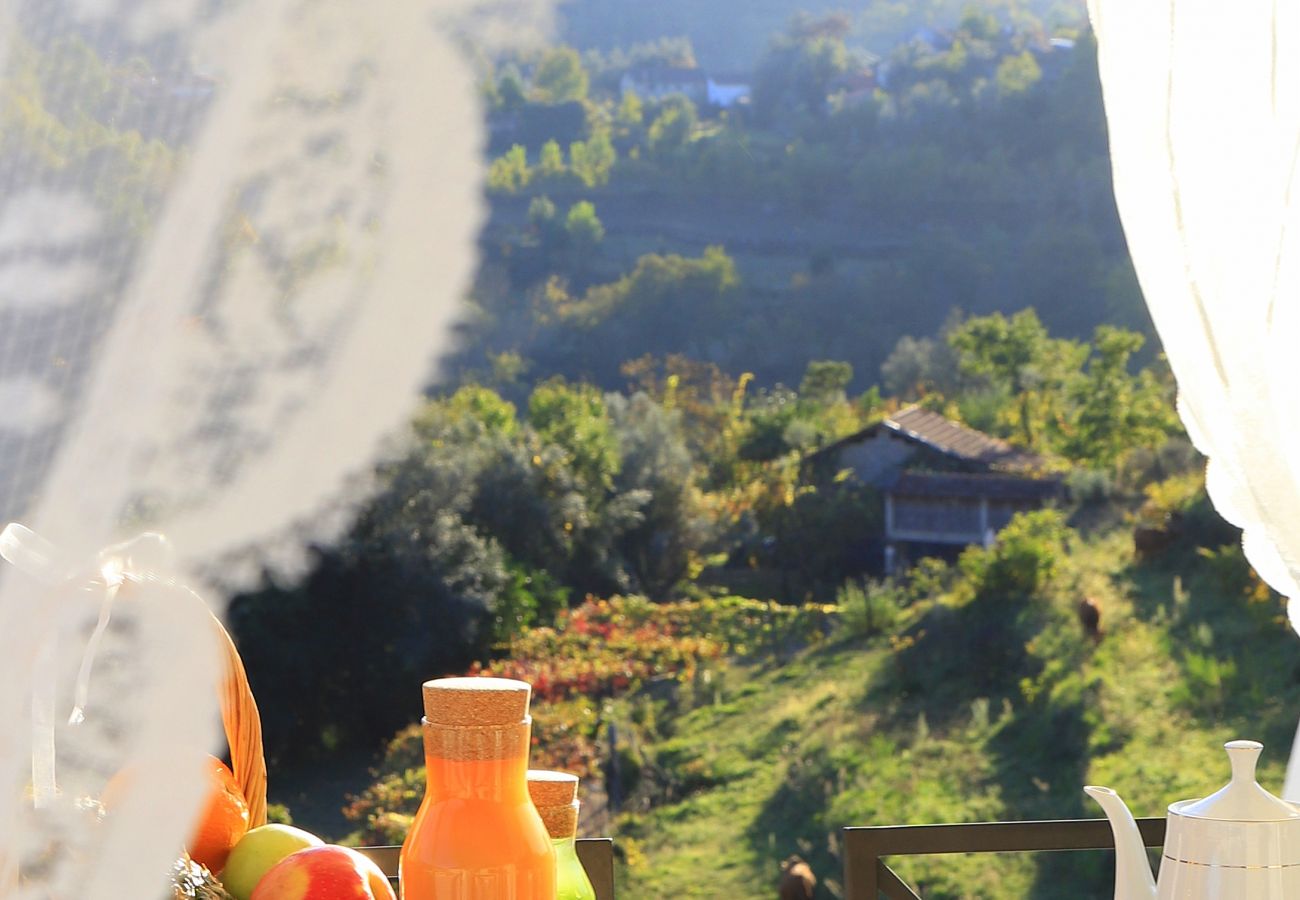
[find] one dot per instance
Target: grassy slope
(862, 732)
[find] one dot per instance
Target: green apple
(259, 850)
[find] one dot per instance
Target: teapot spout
(1133, 880)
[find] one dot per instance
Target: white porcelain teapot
(1239, 843)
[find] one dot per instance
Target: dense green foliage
(854, 201)
(781, 756)
(1075, 399)
(495, 520)
(731, 35)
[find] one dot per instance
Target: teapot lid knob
(1242, 800)
(1244, 757)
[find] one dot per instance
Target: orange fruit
(224, 820)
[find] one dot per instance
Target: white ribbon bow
(133, 560)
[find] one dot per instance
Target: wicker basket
(243, 727)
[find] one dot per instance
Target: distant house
(934, 39)
(943, 483)
(852, 88)
(658, 82)
(1054, 57)
(726, 90)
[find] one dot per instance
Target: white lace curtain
(234, 237)
(1203, 107)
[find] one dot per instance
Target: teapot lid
(1242, 799)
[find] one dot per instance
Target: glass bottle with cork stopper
(555, 794)
(477, 835)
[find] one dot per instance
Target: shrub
(1024, 559)
(601, 649)
(927, 579)
(1172, 496)
(1090, 485)
(868, 607)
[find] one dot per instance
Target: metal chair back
(867, 876)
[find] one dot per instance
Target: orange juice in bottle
(477, 835)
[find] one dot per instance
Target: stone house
(943, 484)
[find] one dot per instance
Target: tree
(431, 584)
(584, 230)
(546, 223)
(666, 304)
(530, 499)
(906, 372)
(486, 406)
(592, 160)
(1025, 559)
(630, 109)
(510, 172)
(805, 26)
(673, 125)
(550, 160)
(560, 77)
(1117, 411)
(510, 90)
(677, 292)
(767, 426)
(574, 419)
(657, 463)
(541, 212)
(709, 401)
(920, 366)
(795, 72)
(1017, 74)
(1018, 356)
(979, 24)
(825, 381)
(537, 123)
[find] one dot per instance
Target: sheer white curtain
(1203, 106)
(234, 236)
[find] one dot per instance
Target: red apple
(324, 873)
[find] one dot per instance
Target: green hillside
(964, 177)
(729, 35)
(964, 692)
(977, 707)
(925, 726)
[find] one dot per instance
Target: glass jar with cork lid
(477, 835)
(555, 794)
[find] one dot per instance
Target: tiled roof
(973, 486)
(946, 436)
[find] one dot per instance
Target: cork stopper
(560, 821)
(466, 702)
(549, 788)
(555, 794)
